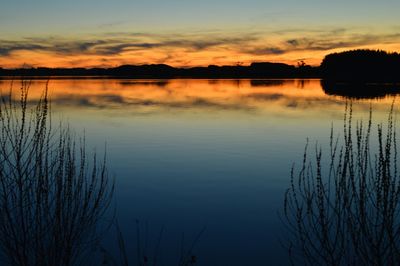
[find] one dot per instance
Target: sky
(184, 33)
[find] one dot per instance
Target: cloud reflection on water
(182, 95)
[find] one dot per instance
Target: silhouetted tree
(362, 65)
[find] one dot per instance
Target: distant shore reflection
(154, 96)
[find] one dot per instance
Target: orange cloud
(190, 49)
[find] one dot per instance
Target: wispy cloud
(116, 44)
(260, 50)
(9, 46)
(323, 43)
(252, 44)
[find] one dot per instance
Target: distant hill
(255, 70)
(362, 66)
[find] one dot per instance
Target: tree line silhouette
(354, 65)
(255, 70)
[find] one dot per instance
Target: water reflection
(360, 90)
(152, 96)
(266, 82)
(195, 153)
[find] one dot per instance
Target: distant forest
(355, 65)
(255, 70)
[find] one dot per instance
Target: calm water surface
(189, 154)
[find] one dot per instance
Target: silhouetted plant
(344, 209)
(145, 256)
(52, 195)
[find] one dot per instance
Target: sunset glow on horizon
(185, 34)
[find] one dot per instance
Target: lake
(201, 156)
